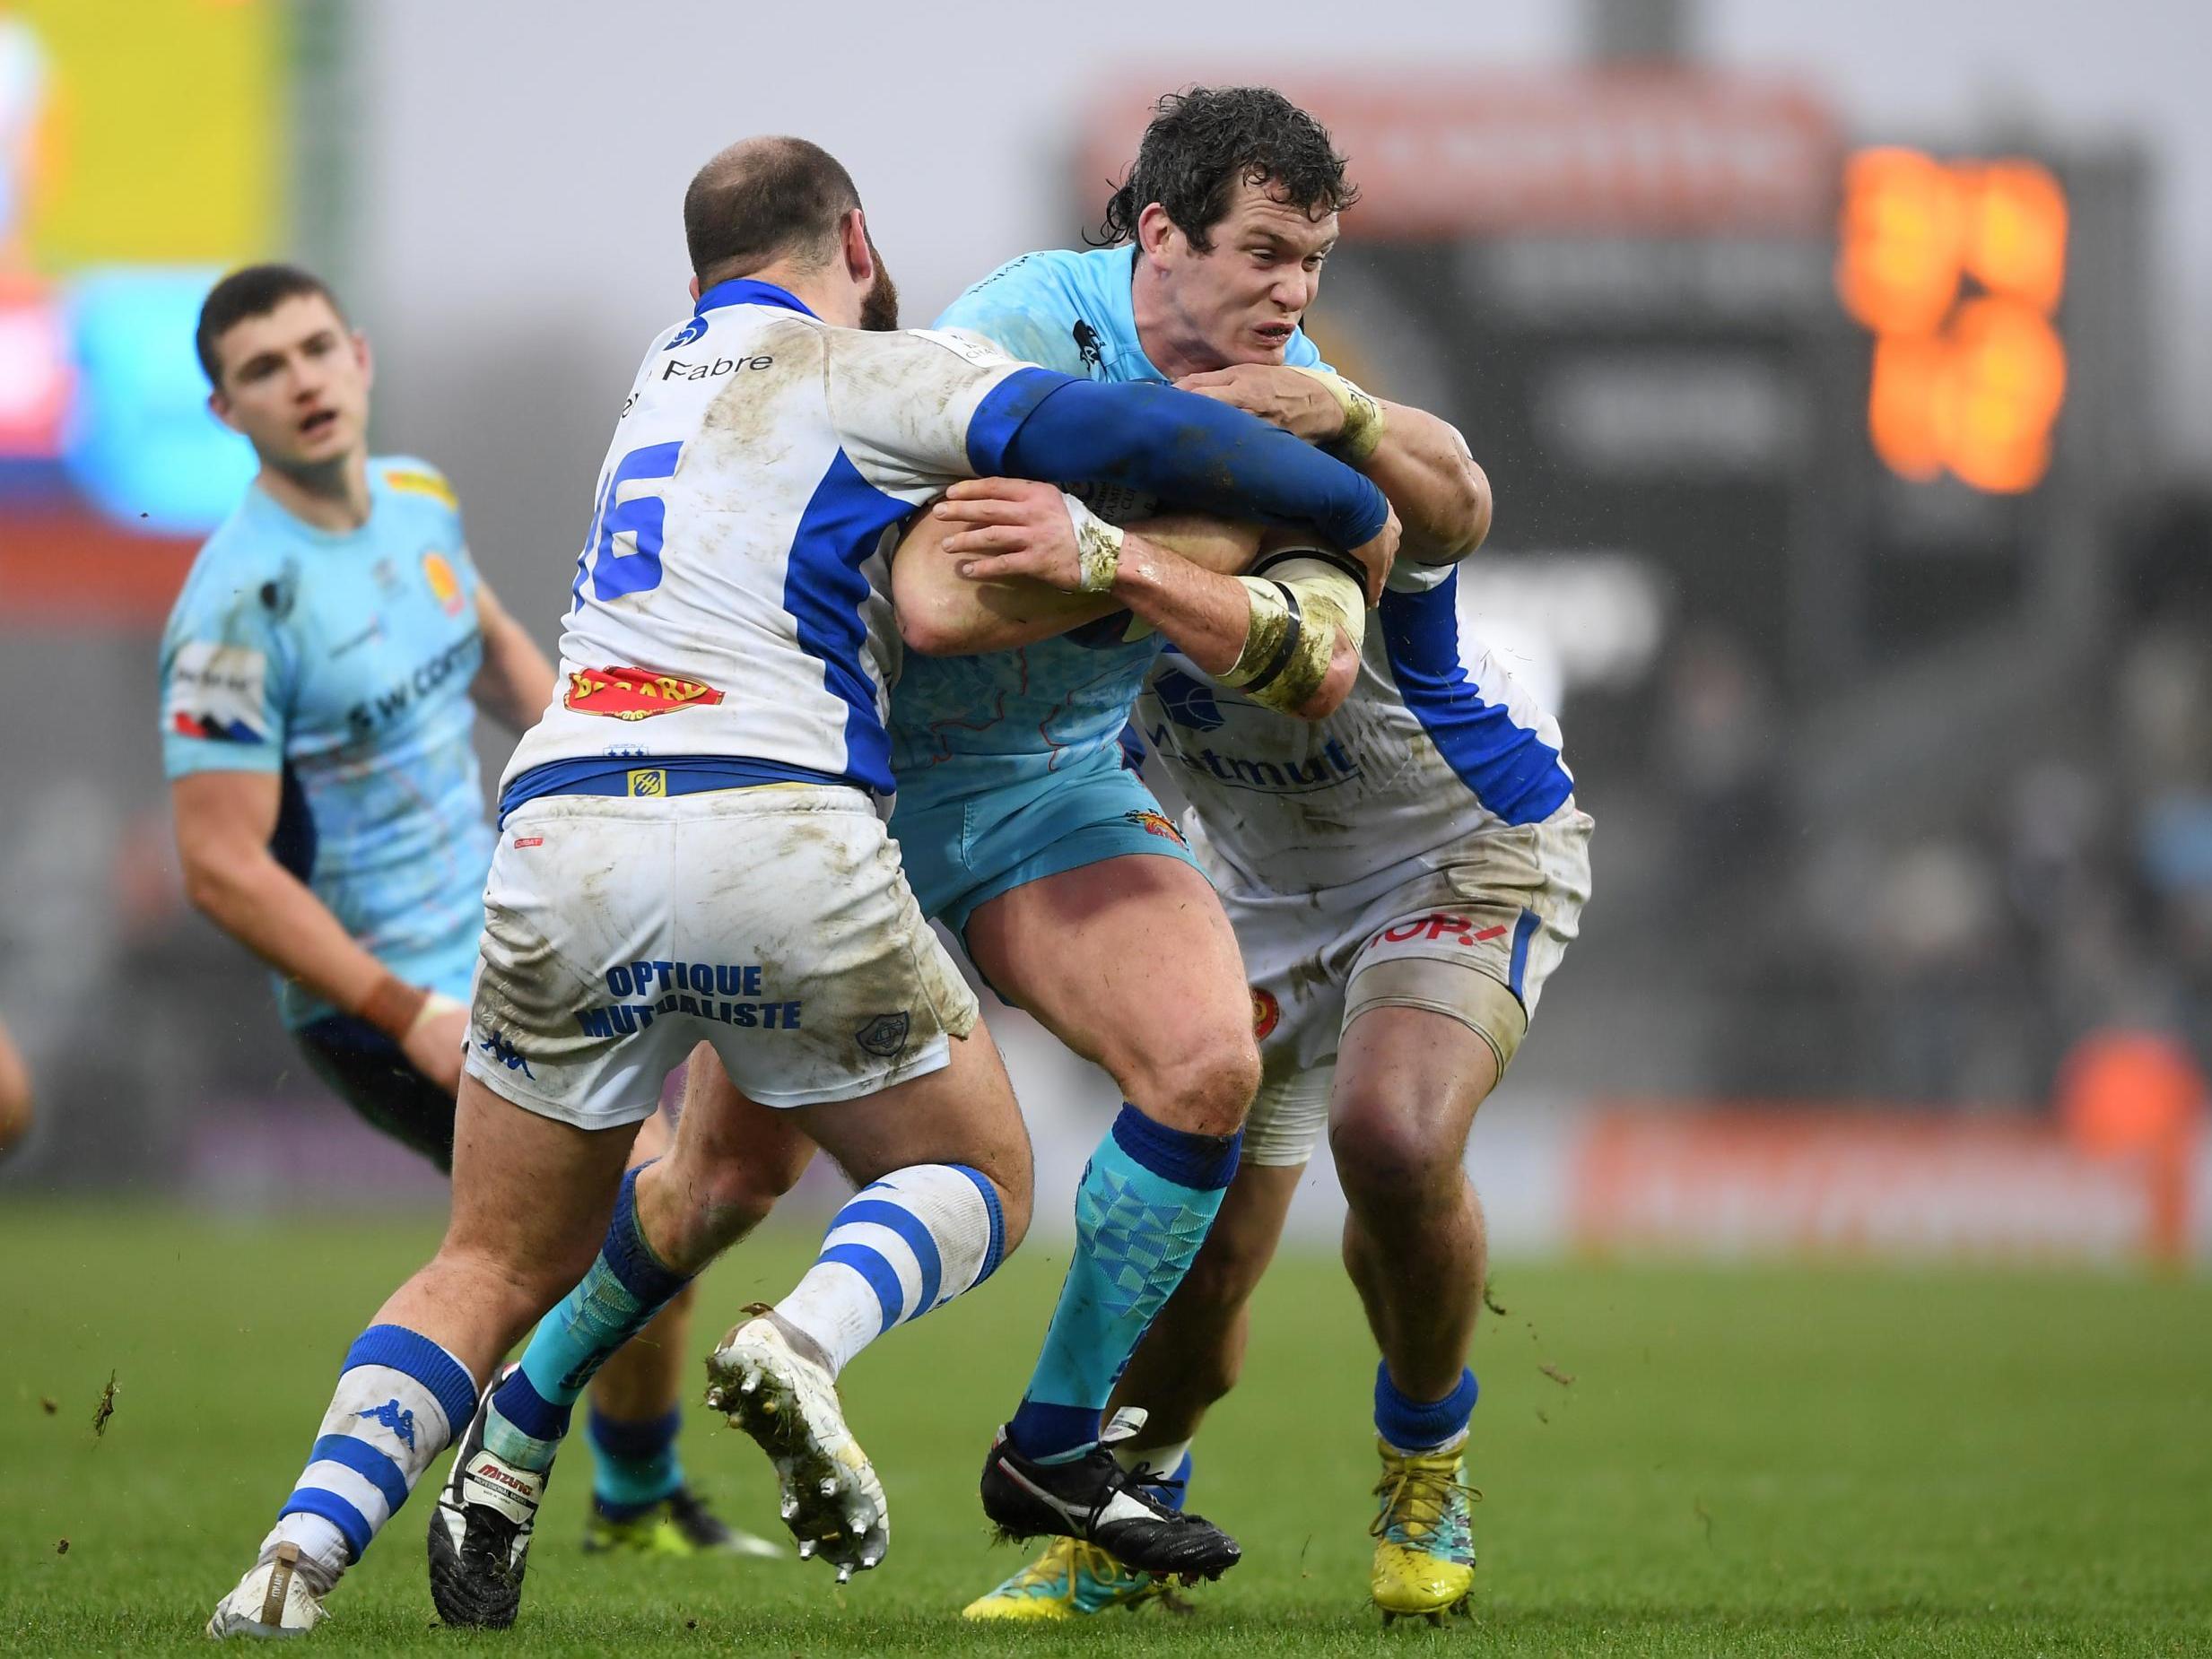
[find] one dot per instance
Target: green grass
(1785, 1462)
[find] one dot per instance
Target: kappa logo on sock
(399, 1421)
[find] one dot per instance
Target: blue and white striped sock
(901, 1247)
(401, 1400)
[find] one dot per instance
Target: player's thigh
(1409, 1079)
(531, 1194)
(1129, 961)
(963, 1114)
(729, 1150)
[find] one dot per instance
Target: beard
(879, 312)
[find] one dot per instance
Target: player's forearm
(1443, 497)
(1178, 447)
(941, 613)
(1207, 616)
(270, 911)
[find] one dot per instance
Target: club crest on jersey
(1155, 823)
(635, 694)
(883, 1036)
(444, 584)
(1266, 1014)
(690, 332)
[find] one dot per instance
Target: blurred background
(1845, 376)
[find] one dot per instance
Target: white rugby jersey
(1435, 744)
(731, 619)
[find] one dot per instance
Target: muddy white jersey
(731, 618)
(1435, 744)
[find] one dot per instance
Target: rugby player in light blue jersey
(1403, 866)
(320, 674)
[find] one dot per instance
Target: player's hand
(1010, 527)
(1280, 395)
(434, 1044)
(1375, 555)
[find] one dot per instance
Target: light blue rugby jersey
(342, 662)
(961, 725)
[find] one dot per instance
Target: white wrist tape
(1098, 546)
(1364, 418)
(1298, 606)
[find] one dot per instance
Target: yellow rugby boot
(1424, 1548)
(1067, 1581)
(681, 1524)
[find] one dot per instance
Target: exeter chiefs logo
(444, 586)
(1266, 1014)
(884, 1036)
(1157, 823)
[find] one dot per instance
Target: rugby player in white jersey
(690, 849)
(1403, 868)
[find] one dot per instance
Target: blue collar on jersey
(744, 291)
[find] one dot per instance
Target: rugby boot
(1424, 1548)
(283, 1595)
(1067, 1581)
(786, 1400)
(1094, 1501)
(481, 1528)
(680, 1524)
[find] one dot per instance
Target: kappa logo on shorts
(507, 1055)
(884, 1036)
(1155, 823)
(651, 781)
(1266, 1014)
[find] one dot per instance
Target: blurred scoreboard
(143, 149)
(1805, 396)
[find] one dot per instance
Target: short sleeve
(226, 678)
(1024, 311)
(914, 408)
(1302, 353)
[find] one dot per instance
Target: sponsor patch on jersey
(648, 781)
(215, 691)
(444, 584)
(635, 694)
(411, 481)
(1157, 823)
(1266, 1014)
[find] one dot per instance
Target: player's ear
(1156, 233)
(692, 287)
(218, 405)
(858, 250)
(364, 357)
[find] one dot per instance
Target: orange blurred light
(1904, 407)
(2010, 379)
(1903, 240)
(2016, 239)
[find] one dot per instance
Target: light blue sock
(636, 1465)
(617, 1297)
(1148, 1196)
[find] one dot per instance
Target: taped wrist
(1364, 419)
(1099, 546)
(1298, 605)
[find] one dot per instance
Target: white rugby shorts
(773, 922)
(1470, 931)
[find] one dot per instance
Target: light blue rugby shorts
(973, 833)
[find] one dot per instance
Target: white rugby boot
(787, 1403)
(281, 1596)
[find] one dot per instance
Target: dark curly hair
(1205, 140)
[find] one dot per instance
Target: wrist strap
(1099, 544)
(1364, 419)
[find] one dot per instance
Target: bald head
(764, 200)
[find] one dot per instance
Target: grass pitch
(1785, 1462)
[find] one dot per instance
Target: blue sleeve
(1175, 445)
(1302, 353)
